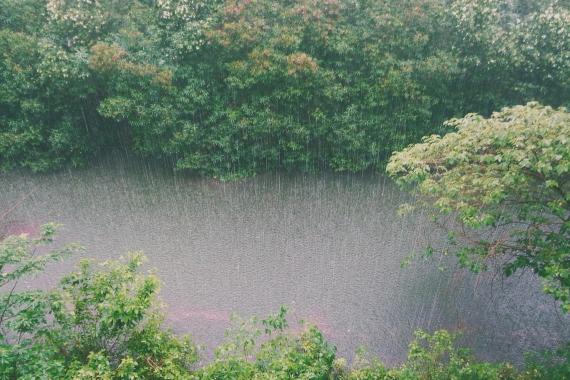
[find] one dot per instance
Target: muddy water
(328, 246)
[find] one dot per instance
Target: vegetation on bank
(230, 88)
(103, 322)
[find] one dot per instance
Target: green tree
(43, 118)
(24, 314)
(231, 88)
(501, 185)
(509, 52)
(282, 355)
(27, 16)
(102, 321)
(79, 23)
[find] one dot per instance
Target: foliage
(510, 52)
(26, 16)
(231, 88)
(309, 356)
(552, 364)
(507, 180)
(183, 24)
(23, 314)
(100, 322)
(436, 357)
(76, 23)
(103, 322)
(282, 355)
(39, 129)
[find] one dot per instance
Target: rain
(329, 246)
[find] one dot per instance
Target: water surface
(328, 246)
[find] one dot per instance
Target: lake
(328, 246)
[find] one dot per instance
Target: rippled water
(328, 246)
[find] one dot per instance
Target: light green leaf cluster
(101, 322)
(510, 174)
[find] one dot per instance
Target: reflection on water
(329, 246)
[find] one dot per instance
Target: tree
(509, 52)
(281, 355)
(102, 321)
(183, 25)
(501, 185)
(77, 23)
(43, 122)
(231, 88)
(23, 314)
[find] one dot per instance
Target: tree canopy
(237, 87)
(505, 182)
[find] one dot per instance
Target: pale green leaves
(508, 174)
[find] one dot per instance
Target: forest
(461, 103)
(231, 89)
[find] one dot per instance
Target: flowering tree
(540, 48)
(183, 24)
(510, 52)
(81, 22)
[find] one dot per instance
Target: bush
(100, 322)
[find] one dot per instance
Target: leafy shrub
(100, 322)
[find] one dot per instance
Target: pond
(330, 247)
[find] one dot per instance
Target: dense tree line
(233, 88)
